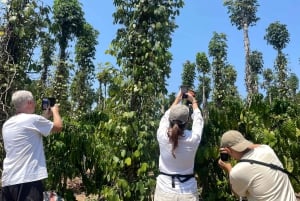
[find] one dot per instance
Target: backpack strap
(275, 167)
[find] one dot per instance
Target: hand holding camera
(224, 156)
(47, 103)
(184, 90)
(188, 95)
(224, 160)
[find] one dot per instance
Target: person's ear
(29, 102)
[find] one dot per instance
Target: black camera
(224, 157)
(48, 102)
(185, 89)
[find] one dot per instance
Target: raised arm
(57, 121)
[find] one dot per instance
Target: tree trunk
(248, 75)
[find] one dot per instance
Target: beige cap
(179, 113)
(235, 140)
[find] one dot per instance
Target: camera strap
(275, 167)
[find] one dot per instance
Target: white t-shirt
(185, 154)
(23, 144)
(258, 182)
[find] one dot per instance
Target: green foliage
(242, 12)
(202, 63)
(142, 45)
(211, 178)
(277, 35)
(256, 62)
(127, 164)
(111, 144)
(81, 90)
(293, 85)
(134, 96)
(75, 153)
(203, 68)
(68, 23)
(68, 18)
(224, 75)
(188, 74)
(21, 24)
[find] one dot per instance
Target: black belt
(180, 177)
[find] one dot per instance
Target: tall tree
(218, 50)
(278, 36)
(47, 48)
(230, 76)
(256, 64)
(68, 24)
(21, 24)
(293, 85)
(81, 88)
(188, 74)
(203, 68)
(268, 84)
(242, 14)
(105, 79)
(141, 49)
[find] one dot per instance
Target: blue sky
(197, 22)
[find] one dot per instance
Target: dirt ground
(82, 197)
(76, 184)
(298, 196)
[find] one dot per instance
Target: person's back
(23, 145)
(178, 147)
(185, 153)
(258, 182)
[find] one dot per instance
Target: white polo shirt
(25, 159)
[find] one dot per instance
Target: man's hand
(225, 166)
(47, 113)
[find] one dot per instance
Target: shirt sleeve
(163, 125)
(239, 182)
(43, 125)
(197, 128)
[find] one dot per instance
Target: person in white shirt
(251, 180)
(24, 165)
(178, 148)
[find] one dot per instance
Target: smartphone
(48, 102)
(184, 90)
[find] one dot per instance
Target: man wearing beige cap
(255, 181)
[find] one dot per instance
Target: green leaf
(116, 159)
(128, 161)
(137, 154)
(123, 153)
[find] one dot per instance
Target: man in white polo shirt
(24, 165)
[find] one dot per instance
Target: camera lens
(224, 156)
